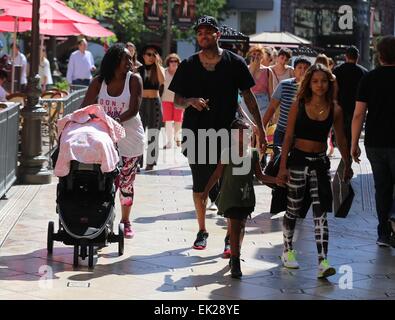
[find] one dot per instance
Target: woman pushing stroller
(119, 92)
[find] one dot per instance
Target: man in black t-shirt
(206, 85)
(376, 95)
(348, 76)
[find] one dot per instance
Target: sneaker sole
(288, 267)
(383, 245)
(329, 272)
(198, 247)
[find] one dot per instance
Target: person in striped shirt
(283, 97)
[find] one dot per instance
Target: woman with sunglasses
(153, 75)
(170, 113)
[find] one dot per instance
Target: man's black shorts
(201, 173)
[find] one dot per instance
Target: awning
(278, 39)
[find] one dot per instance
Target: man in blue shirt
(81, 65)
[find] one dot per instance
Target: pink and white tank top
(133, 144)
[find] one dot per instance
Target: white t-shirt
(167, 94)
(44, 70)
(133, 144)
(20, 60)
(3, 94)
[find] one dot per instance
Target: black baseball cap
(206, 21)
(352, 52)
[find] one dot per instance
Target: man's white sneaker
(212, 207)
(325, 270)
(289, 259)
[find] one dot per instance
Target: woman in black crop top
(153, 75)
(304, 152)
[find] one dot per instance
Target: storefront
(330, 24)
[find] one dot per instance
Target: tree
(125, 17)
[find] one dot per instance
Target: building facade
(250, 17)
(334, 24)
(331, 25)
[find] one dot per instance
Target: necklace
(317, 106)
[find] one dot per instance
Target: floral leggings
(125, 180)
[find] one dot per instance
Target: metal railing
(9, 141)
(56, 109)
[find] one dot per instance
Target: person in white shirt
(170, 112)
(44, 71)
(20, 60)
(81, 65)
(3, 79)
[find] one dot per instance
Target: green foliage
(126, 20)
(62, 85)
(92, 8)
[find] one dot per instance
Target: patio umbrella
(49, 10)
(53, 28)
(56, 19)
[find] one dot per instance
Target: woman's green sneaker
(289, 259)
(325, 270)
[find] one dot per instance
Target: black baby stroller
(85, 205)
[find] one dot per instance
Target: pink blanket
(88, 135)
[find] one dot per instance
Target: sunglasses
(173, 61)
(150, 54)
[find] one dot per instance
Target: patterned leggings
(125, 180)
(299, 179)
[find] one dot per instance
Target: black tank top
(309, 129)
(147, 84)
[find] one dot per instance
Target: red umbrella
(56, 19)
(50, 28)
(49, 10)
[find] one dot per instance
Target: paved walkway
(160, 264)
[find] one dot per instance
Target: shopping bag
(343, 193)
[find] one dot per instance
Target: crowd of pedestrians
(235, 101)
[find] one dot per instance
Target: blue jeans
(278, 140)
(82, 82)
(263, 102)
(383, 167)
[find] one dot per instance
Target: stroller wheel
(90, 256)
(121, 239)
(75, 256)
(50, 237)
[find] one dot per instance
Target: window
(248, 22)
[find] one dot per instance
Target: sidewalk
(160, 264)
